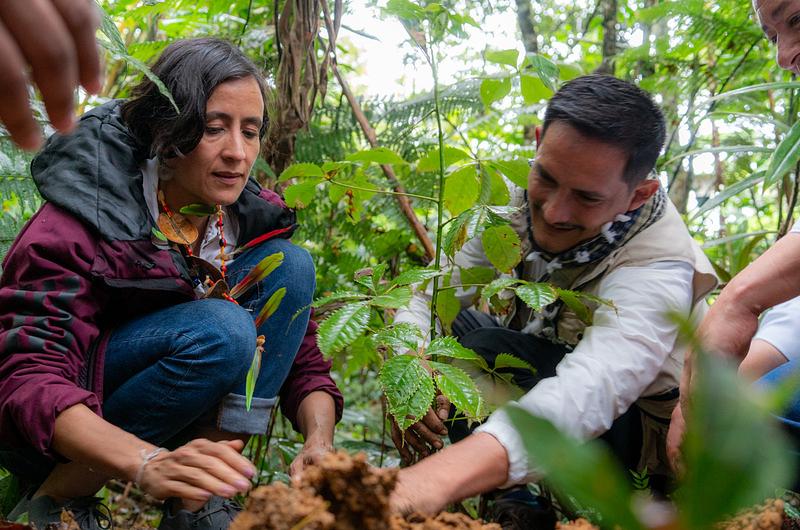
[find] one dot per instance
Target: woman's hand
(312, 453)
(198, 470)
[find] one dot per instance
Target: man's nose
(557, 209)
(788, 50)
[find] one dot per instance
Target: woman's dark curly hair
(191, 69)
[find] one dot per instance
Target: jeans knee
(297, 273)
(232, 334)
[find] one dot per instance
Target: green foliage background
(728, 106)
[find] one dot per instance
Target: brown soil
(344, 493)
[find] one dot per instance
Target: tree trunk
(609, 37)
(297, 81)
(525, 22)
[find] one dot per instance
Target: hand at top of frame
(52, 42)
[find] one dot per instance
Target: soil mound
(344, 493)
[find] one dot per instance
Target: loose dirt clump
(344, 493)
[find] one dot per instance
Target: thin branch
(369, 132)
(384, 192)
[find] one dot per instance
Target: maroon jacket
(85, 263)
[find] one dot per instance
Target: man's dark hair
(191, 69)
(615, 112)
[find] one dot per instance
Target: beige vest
(665, 240)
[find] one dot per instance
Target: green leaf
(404, 9)
(498, 189)
(506, 360)
(726, 468)
(300, 170)
(785, 157)
(477, 275)
(461, 189)
(586, 471)
(494, 90)
(401, 337)
(199, 210)
(430, 162)
(301, 194)
(730, 191)
(502, 246)
(536, 295)
(572, 300)
(497, 286)
(270, 307)
(344, 326)
(447, 307)
(338, 296)
(533, 89)
(450, 347)
(459, 388)
(416, 275)
(508, 57)
(378, 155)
(252, 377)
(10, 494)
(516, 170)
(263, 268)
(159, 234)
(546, 69)
(458, 231)
(408, 388)
(394, 299)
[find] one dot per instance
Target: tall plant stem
(440, 202)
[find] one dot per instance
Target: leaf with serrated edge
(401, 337)
(271, 306)
(408, 387)
(447, 307)
(412, 276)
(506, 360)
(497, 286)
(394, 299)
(572, 301)
(344, 326)
(450, 347)
(461, 189)
(459, 388)
(264, 268)
(536, 295)
(501, 245)
(338, 296)
(300, 171)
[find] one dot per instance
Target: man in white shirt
(593, 221)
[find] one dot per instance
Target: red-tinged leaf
(264, 268)
(271, 306)
(266, 237)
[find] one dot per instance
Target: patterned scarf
(564, 268)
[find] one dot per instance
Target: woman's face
(780, 20)
(216, 171)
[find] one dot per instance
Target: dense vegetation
(382, 185)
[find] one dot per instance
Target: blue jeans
(790, 417)
(185, 366)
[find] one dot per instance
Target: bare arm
(194, 471)
(316, 417)
(474, 465)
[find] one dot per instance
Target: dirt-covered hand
(311, 454)
(198, 470)
(54, 40)
(677, 430)
(425, 436)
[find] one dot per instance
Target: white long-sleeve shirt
(623, 355)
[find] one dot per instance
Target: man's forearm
(474, 465)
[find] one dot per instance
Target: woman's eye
(213, 130)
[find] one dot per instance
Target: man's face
(780, 20)
(575, 186)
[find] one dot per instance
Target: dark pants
(481, 333)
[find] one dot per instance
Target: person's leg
(283, 331)
(790, 417)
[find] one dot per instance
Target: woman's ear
(642, 193)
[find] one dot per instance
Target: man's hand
(312, 453)
(424, 437)
(675, 435)
(56, 39)
(198, 470)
